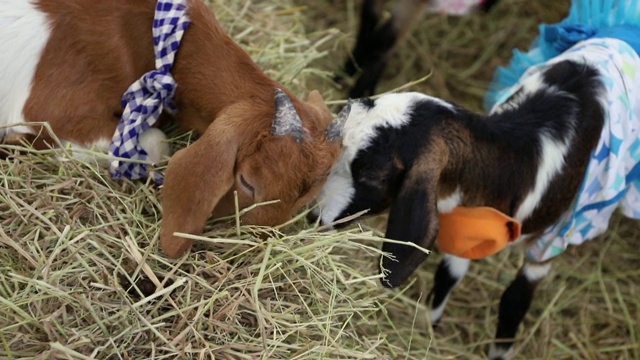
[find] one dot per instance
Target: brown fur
(97, 49)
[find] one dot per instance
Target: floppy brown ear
(196, 178)
(413, 218)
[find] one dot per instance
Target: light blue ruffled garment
(618, 19)
(610, 40)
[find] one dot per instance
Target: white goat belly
(613, 174)
(24, 32)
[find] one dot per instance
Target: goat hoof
(500, 351)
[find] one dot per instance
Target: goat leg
(450, 272)
(514, 305)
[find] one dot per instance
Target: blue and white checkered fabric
(145, 99)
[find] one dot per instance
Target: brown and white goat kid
(421, 158)
(69, 62)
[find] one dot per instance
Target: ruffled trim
(619, 19)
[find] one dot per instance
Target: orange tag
(475, 233)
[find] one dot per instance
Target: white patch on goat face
(535, 272)
(446, 205)
(336, 194)
(361, 127)
(24, 32)
(551, 161)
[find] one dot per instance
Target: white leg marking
(500, 352)
(24, 32)
(535, 272)
(436, 313)
(458, 268)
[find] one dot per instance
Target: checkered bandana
(144, 101)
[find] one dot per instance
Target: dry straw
(72, 241)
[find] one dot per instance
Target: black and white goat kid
(418, 156)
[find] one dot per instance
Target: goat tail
(619, 19)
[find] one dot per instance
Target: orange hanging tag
(475, 233)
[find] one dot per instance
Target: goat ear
(412, 218)
(196, 178)
(316, 100)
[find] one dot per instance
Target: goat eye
(246, 184)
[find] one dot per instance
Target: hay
(72, 241)
(588, 307)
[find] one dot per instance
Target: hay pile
(589, 306)
(72, 242)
